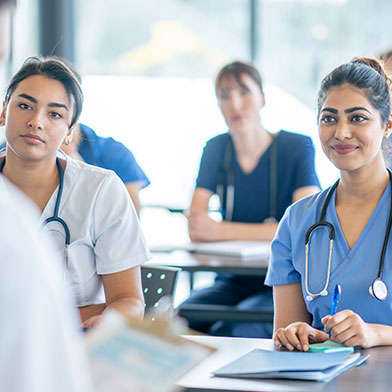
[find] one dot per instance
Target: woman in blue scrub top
(354, 118)
(256, 175)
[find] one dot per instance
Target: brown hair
(236, 69)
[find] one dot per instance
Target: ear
(2, 116)
(388, 129)
(71, 132)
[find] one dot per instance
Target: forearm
(87, 312)
(128, 306)
(248, 231)
(383, 334)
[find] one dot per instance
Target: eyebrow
(350, 110)
(50, 104)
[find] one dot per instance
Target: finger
(342, 322)
(292, 337)
(347, 336)
(303, 336)
(353, 341)
(281, 334)
(317, 336)
(276, 340)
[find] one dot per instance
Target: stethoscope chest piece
(378, 289)
(311, 297)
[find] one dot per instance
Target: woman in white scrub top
(354, 119)
(42, 104)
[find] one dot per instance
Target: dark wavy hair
(366, 74)
(54, 68)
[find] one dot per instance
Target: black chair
(158, 282)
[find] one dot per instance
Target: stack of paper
(293, 365)
(243, 249)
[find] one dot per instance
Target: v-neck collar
(69, 179)
(372, 220)
(263, 156)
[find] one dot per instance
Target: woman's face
(37, 118)
(351, 129)
(240, 103)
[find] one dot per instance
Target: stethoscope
(226, 171)
(378, 289)
(55, 217)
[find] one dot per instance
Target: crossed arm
(123, 293)
(202, 228)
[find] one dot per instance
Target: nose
(35, 121)
(343, 131)
(235, 101)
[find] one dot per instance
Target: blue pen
(335, 299)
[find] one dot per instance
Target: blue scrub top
(354, 269)
(110, 154)
(295, 169)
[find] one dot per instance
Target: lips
(344, 148)
(33, 139)
(237, 117)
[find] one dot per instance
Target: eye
(358, 118)
(24, 106)
(55, 115)
(327, 119)
(244, 91)
(223, 95)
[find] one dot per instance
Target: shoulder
(218, 143)
(289, 138)
(307, 208)
(101, 142)
(83, 173)
(219, 140)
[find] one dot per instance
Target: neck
(37, 180)
(364, 184)
(251, 143)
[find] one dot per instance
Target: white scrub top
(41, 346)
(105, 232)
(354, 269)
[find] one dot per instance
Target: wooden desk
(195, 262)
(374, 375)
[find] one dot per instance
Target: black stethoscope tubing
(378, 288)
(227, 171)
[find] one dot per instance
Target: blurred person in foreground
(41, 347)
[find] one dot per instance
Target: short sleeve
(304, 171)
(210, 163)
(120, 243)
(281, 269)
(120, 159)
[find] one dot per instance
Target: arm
(291, 319)
(202, 228)
(123, 293)
(133, 189)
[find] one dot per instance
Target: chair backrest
(158, 282)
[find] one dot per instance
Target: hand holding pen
(334, 304)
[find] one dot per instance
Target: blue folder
(293, 365)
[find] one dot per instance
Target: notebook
(321, 366)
